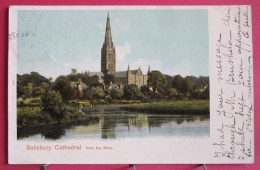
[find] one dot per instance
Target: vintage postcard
(130, 84)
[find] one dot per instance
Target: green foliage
(177, 83)
(30, 116)
(28, 90)
(52, 104)
(45, 86)
(35, 78)
(173, 92)
(185, 86)
(205, 93)
(37, 91)
(90, 81)
(28, 102)
(107, 92)
(108, 98)
(93, 81)
(109, 78)
(76, 77)
(63, 86)
(188, 86)
(202, 81)
(28, 85)
(95, 93)
(202, 94)
(73, 71)
(116, 93)
(158, 81)
(195, 107)
(84, 103)
(145, 90)
(132, 92)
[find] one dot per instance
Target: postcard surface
(130, 84)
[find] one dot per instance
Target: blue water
(110, 122)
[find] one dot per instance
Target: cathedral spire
(149, 70)
(108, 52)
(108, 37)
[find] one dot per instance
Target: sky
(171, 41)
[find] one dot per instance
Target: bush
(173, 92)
(132, 92)
(95, 93)
(30, 116)
(116, 93)
(108, 98)
(20, 102)
(52, 104)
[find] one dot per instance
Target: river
(110, 122)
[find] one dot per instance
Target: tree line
(159, 86)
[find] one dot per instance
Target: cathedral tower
(108, 53)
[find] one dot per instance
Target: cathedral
(108, 64)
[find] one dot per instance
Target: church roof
(134, 71)
(120, 74)
(123, 73)
(99, 74)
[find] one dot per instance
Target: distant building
(80, 85)
(131, 77)
(112, 86)
(108, 64)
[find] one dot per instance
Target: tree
(132, 92)
(157, 80)
(73, 71)
(116, 93)
(51, 103)
(93, 81)
(28, 90)
(145, 90)
(177, 83)
(62, 85)
(109, 78)
(188, 85)
(45, 86)
(95, 93)
(37, 91)
(173, 92)
(205, 93)
(35, 78)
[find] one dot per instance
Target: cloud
(184, 68)
(126, 27)
(117, 20)
(101, 25)
(124, 58)
(58, 62)
(122, 51)
(89, 61)
(144, 64)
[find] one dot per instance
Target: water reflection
(109, 122)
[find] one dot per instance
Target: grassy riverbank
(89, 103)
(33, 116)
(194, 107)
